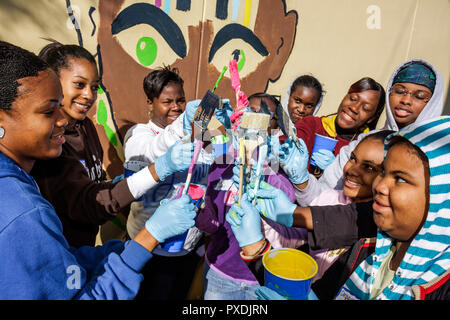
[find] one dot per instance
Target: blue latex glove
(273, 142)
(294, 161)
(188, 115)
(245, 222)
(323, 158)
(177, 158)
(223, 115)
(274, 204)
(247, 173)
(264, 293)
(172, 218)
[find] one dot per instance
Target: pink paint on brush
(241, 98)
(195, 192)
(198, 147)
(236, 115)
(234, 75)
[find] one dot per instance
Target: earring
(2, 132)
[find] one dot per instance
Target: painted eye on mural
(149, 35)
(146, 51)
(236, 40)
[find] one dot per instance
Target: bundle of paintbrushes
(285, 124)
(202, 117)
(262, 151)
(252, 134)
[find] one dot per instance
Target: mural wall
(276, 40)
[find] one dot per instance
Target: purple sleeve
(212, 215)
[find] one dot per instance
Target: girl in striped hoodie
(409, 257)
(412, 253)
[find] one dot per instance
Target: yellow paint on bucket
(290, 264)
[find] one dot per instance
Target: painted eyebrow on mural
(236, 31)
(139, 13)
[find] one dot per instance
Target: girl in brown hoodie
(75, 183)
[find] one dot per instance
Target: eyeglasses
(418, 95)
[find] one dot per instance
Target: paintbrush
(197, 149)
(253, 131)
(202, 117)
(286, 126)
(262, 151)
(225, 68)
(241, 168)
(262, 155)
(241, 98)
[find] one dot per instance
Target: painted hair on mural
(16, 63)
(58, 55)
(156, 80)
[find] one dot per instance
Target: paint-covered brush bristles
(203, 114)
(252, 133)
(285, 124)
(255, 121)
(253, 129)
(202, 117)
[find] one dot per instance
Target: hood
(431, 110)
(285, 100)
(428, 256)
(9, 168)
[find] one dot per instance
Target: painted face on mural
(263, 36)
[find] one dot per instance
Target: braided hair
(16, 63)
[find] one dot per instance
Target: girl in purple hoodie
(226, 276)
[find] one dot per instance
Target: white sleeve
(305, 196)
(142, 144)
(140, 182)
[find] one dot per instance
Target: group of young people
(374, 212)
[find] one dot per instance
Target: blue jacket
(37, 263)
